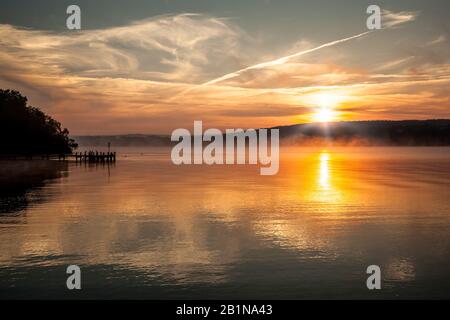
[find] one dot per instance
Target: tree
(26, 130)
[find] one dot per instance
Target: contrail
(278, 61)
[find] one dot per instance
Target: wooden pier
(87, 156)
(91, 156)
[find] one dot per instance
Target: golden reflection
(150, 215)
(323, 181)
(324, 170)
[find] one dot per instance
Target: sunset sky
(141, 66)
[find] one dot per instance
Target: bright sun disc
(323, 115)
(326, 103)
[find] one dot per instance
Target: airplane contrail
(278, 61)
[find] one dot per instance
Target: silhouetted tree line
(26, 130)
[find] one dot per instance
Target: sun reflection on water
(326, 183)
(193, 226)
(324, 170)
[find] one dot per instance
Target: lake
(144, 228)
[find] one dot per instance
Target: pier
(86, 156)
(91, 156)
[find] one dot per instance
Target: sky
(142, 66)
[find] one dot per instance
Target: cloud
(395, 63)
(175, 48)
(124, 79)
(437, 40)
(282, 60)
(392, 19)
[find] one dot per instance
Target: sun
(324, 114)
(325, 104)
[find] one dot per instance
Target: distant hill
(128, 140)
(396, 133)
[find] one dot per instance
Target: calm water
(143, 228)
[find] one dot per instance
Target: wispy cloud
(281, 60)
(394, 63)
(175, 48)
(123, 79)
(392, 19)
(437, 40)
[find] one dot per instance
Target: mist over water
(145, 228)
